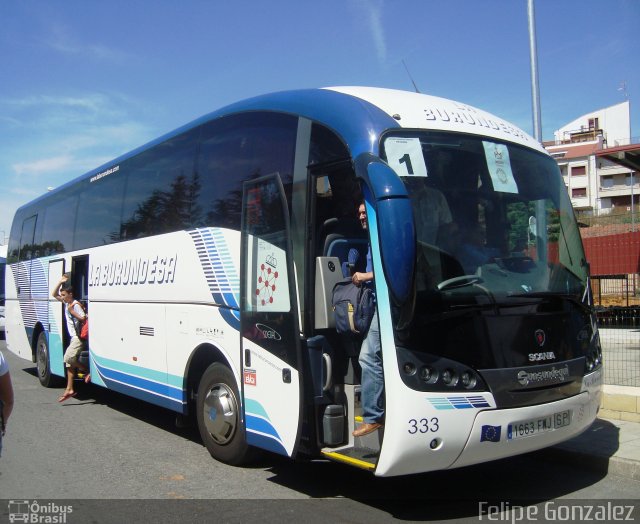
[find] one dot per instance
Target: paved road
(104, 446)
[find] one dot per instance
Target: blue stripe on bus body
(56, 354)
(261, 433)
(265, 442)
(460, 402)
(230, 300)
(219, 271)
(255, 408)
(144, 395)
(150, 390)
(230, 318)
(440, 403)
(261, 425)
(174, 381)
(96, 378)
(479, 402)
(260, 430)
(139, 382)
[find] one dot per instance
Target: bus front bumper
(505, 432)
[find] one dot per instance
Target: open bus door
(49, 353)
(270, 340)
(393, 246)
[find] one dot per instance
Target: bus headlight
(593, 358)
(468, 379)
(409, 368)
(590, 365)
(449, 377)
(425, 372)
(428, 374)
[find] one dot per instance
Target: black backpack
(353, 306)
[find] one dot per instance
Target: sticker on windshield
(499, 165)
(404, 156)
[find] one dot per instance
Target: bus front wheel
(219, 417)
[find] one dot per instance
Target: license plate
(536, 426)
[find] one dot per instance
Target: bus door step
(360, 457)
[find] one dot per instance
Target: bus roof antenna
(410, 77)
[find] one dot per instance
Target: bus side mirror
(396, 229)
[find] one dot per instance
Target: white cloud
(377, 31)
(57, 125)
(52, 139)
(89, 105)
(371, 11)
(42, 166)
(60, 40)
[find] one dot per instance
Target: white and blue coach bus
(207, 259)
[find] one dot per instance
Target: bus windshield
(494, 224)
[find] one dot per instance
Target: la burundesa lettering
(135, 271)
(468, 115)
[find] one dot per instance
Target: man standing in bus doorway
(370, 354)
(74, 313)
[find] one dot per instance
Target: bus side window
(26, 239)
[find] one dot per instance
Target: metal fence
(620, 338)
(612, 245)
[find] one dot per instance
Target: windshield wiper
(461, 281)
(552, 294)
(464, 307)
(497, 306)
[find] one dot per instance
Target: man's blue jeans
(372, 375)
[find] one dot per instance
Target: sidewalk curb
(614, 465)
(606, 446)
(620, 403)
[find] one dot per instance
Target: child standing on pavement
(75, 315)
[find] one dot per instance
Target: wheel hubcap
(221, 413)
(43, 359)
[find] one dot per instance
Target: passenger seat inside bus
(339, 236)
(351, 252)
(341, 257)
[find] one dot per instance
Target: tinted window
(238, 148)
(26, 239)
(14, 238)
(59, 222)
(162, 189)
(326, 147)
(337, 190)
(99, 212)
(2, 271)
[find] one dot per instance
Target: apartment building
(599, 160)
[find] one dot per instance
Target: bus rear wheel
(43, 363)
(219, 417)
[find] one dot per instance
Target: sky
(85, 81)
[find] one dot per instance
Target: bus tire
(43, 363)
(219, 418)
